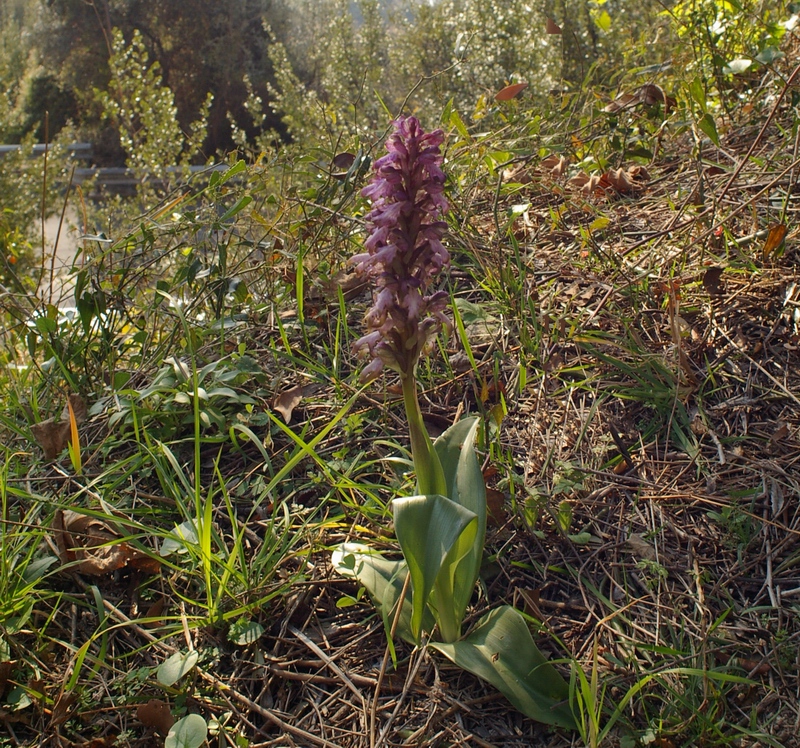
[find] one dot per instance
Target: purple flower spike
(404, 250)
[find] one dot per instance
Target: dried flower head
(404, 249)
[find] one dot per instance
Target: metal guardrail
(121, 176)
(76, 150)
(119, 179)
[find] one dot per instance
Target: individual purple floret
(404, 249)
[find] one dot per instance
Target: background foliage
(56, 55)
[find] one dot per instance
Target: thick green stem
(446, 617)
(430, 477)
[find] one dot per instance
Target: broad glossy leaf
(708, 126)
(735, 67)
(175, 667)
(462, 472)
(189, 732)
(603, 20)
(453, 578)
(457, 122)
(383, 578)
(466, 487)
(237, 207)
(176, 542)
(769, 54)
(245, 632)
(501, 650)
(698, 92)
(237, 168)
(429, 529)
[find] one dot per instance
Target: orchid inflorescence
(404, 255)
(404, 249)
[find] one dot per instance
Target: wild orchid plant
(441, 531)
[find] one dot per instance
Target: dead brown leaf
(37, 688)
(351, 283)
(63, 708)
(582, 181)
(775, 237)
(648, 95)
(779, 434)
(623, 101)
(551, 27)
(52, 435)
(93, 546)
(495, 508)
(144, 563)
(698, 423)
(518, 173)
(341, 164)
(638, 173)
(777, 499)
(639, 547)
(753, 666)
(554, 363)
(287, 401)
(619, 180)
(154, 612)
(554, 165)
(711, 281)
(156, 714)
(510, 92)
(531, 598)
(663, 743)
(6, 670)
(13, 716)
(78, 408)
(104, 742)
(622, 181)
(460, 362)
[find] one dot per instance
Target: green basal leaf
(466, 487)
(442, 540)
(449, 447)
(428, 529)
(383, 579)
(444, 601)
(501, 650)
